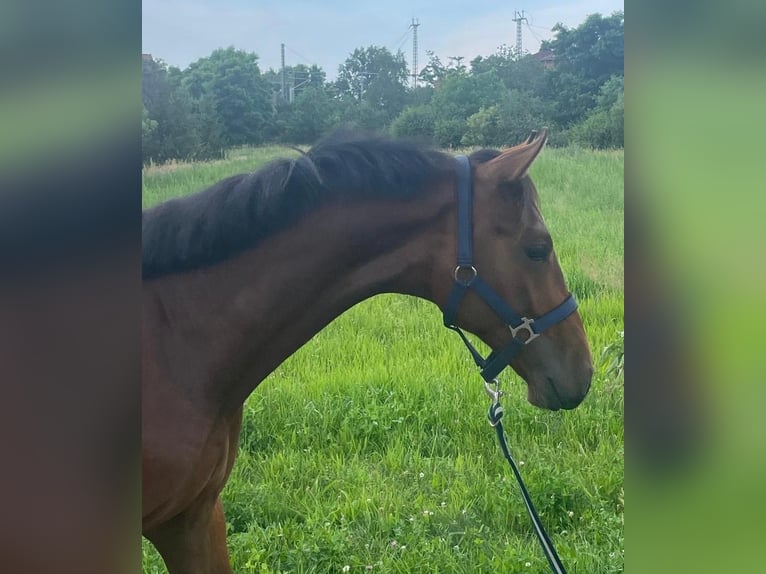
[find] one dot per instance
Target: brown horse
(239, 276)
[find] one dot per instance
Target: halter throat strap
(467, 277)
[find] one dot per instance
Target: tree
(459, 96)
(611, 92)
(604, 127)
(229, 81)
(585, 58)
(415, 122)
(506, 123)
(313, 75)
(297, 78)
(310, 116)
(434, 72)
(210, 129)
(594, 50)
(373, 83)
(449, 132)
(148, 126)
(168, 128)
(462, 94)
(526, 74)
(484, 128)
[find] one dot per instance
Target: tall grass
(369, 447)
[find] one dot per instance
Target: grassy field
(369, 449)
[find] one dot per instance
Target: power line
(531, 31)
(301, 56)
(531, 22)
(402, 39)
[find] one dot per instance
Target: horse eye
(537, 253)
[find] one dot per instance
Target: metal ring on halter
(527, 324)
(469, 268)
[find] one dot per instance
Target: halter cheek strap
(467, 277)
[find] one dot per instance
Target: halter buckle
(527, 324)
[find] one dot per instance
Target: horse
(239, 276)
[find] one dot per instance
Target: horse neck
(232, 324)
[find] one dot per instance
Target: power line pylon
(414, 26)
(519, 17)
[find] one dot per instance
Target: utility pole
(285, 96)
(414, 26)
(518, 17)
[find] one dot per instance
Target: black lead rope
(495, 414)
(467, 278)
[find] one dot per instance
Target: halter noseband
(467, 277)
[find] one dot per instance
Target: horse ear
(514, 162)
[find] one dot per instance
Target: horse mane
(238, 212)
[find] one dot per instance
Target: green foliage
(485, 128)
(415, 122)
(373, 84)
(421, 96)
(449, 132)
(604, 127)
(462, 94)
(238, 96)
(594, 50)
(210, 128)
(434, 72)
(526, 74)
(299, 77)
(310, 116)
(168, 126)
(459, 96)
(613, 356)
(148, 125)
(223, 100)
(611, 92)
(506, 123)
(370, 446)
(586, 58)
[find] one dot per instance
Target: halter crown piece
(467, 277)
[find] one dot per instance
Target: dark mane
(237, 213)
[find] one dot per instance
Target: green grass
(369, 447)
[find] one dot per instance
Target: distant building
(547, 57)
(146, 57)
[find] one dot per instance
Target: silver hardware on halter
(470, 279)
(494, 393)
(528, 325)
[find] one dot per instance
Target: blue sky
(326, 32)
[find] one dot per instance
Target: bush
(414, 122)
(603, 128)
(507, 123)
(484, 128)
(449, 132)
(310, 116)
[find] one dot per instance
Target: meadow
(369, 450)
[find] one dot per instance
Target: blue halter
(466, 277)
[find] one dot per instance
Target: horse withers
(239, 276)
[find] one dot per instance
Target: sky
(326, 32)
